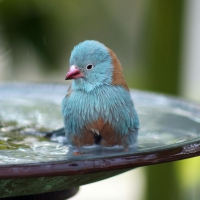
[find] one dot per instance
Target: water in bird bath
(27, 111)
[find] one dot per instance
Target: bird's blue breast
(113, 104)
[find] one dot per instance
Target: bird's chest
(82, 110)
(87, 107)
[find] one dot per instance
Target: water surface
(27, 111)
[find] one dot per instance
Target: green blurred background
(150, 39)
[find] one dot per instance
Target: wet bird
(98, 108)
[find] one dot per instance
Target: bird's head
(92, 64)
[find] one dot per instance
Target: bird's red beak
(73, 73)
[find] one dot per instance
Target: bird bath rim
(128, 160)
(61, 168)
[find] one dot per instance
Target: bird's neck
(81, 85)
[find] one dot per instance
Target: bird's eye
(89, 67)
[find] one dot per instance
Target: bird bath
(31, 164)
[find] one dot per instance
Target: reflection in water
(27, 112)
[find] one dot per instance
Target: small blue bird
(98, 108)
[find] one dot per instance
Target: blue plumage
(91, 52)
(98, 102)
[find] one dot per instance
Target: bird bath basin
(31, 164)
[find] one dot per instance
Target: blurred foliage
(54, 27)
(33, 22)
(164, 46)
